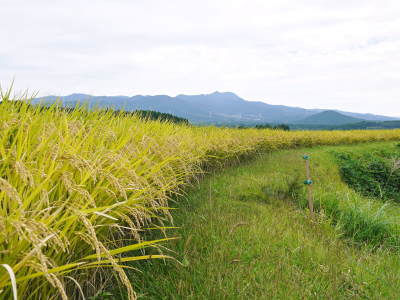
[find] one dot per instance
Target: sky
(342, 54)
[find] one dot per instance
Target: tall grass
(79, 188)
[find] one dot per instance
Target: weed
(373, 174)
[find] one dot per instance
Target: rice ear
(10, 191)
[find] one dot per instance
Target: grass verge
(244, 236)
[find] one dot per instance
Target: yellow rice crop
(78, 189)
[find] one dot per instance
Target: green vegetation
(279, 126)
(374, 173)
(364, 125)
(262, 126)
(157, 116)
(244, 234)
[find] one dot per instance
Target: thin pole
(309, 182)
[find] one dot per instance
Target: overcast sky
(342, 54)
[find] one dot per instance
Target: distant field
(81, 191)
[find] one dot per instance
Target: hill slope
(329, 117)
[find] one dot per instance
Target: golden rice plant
(78, 189)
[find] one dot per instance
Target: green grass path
(243, 238)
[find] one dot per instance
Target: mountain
(216, 108)
(368, 117)
(329, 117)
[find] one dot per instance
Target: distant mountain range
(217, 108)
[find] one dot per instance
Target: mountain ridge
(216, 108)
(329, 117)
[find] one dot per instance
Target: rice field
(79, 189)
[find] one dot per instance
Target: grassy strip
(367, 221)
(242, 236)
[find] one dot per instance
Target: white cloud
(310, 53)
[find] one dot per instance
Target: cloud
(326, 54)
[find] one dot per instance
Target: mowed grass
(244, 236)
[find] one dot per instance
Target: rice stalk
(79, 189)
